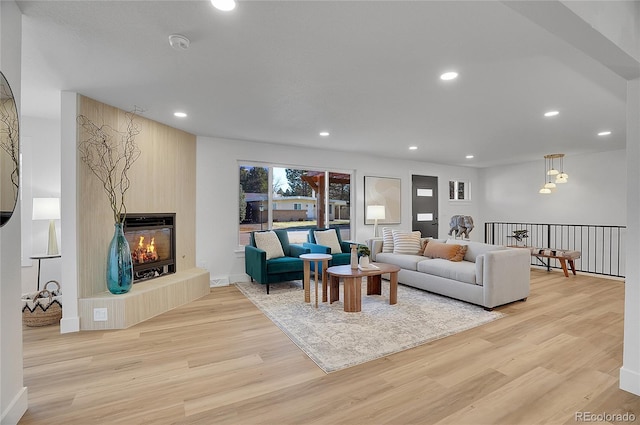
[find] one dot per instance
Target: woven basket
(44, 308)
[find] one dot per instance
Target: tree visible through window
(296, 201)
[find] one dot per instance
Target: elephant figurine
(461, 225)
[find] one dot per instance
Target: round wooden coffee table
(353, 284)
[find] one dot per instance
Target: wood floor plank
(219, 360)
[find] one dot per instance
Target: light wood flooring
(219, 360)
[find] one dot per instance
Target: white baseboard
(16, 408)
(630, 381)
(69, 324)
(219, 281)
(239, 278)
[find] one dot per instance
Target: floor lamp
(375, 213)
(48, 209)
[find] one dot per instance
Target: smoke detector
(179, 42)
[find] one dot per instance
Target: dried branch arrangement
(9, 130)
(109, 154)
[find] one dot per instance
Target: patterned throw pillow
(269, 242)
(423, 244)
(406, 243)
(447, 251)
(387, 239)
(328, 238)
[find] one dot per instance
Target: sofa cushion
(404, 261)
(446, 251)
(340, 259)
(406, 242)
(462, 271)
(284, 265)
(270, 243)
(387, 239)
(328, 238)
(475, 248)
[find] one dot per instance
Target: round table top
(44, 256)
(311, 257)
(347, 271)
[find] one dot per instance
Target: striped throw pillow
(387, 239)
(406, 243)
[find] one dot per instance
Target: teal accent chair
(338, 259)
(282, 269)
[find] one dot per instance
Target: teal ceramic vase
(119, 263)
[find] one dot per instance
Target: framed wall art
(382, 191)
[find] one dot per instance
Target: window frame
(456, 190)
(270, 202)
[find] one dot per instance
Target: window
(459, 190)
(254, 200)
(286, 190)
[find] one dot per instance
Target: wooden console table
(563, 256)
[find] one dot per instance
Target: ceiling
(367, 72)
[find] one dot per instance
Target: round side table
(321, 263)
(43, 257)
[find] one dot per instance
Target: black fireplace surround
(152, 240)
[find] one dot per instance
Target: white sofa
(489, 275)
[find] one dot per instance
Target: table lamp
(375, 213)
(48, 209)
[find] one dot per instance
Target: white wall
(13, 394)
(619, 21)
(630, 371)
(217, 194)
(594, 194)
(41, 179)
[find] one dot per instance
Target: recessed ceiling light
(604, 133)
(551, 113)
(413, 148)
(324, 133)
(180, 114)
(224, 5)
(179, 42)
(451, 75)
(469, 156)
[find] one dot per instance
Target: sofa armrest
(297, 250)
(506, 276)
(317, 248)
(255, 263)
(345, 246)
(375, 246)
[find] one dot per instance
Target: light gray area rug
(336, 340)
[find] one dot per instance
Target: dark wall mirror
(9, 151)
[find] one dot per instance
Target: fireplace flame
(145, 252)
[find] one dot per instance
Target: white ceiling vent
(179, 42)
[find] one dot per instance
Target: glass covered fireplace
(152, 239)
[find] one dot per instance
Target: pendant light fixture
(562, 176)
(551, 172)
(545, 190)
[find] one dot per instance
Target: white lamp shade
(545, 191)
(375, 212)
(46, 208)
